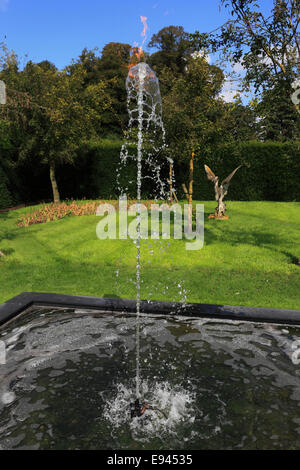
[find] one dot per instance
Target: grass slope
(247, 260)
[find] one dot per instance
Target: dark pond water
(69, 378)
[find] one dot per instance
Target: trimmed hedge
(95, 172)
(94, 176)
(271, 172)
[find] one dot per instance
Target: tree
(173, 46)
(267, 46)
(6, 199)
(279, 121)
(58, 114)
(240, 122)
(113, 70)
(192, 110)
(193, 115)
(90, 63)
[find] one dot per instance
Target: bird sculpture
(220, 191)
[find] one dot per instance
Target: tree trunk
(191, 179)
(190, 194)
(171, 181)
(56, 196)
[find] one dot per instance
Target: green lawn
(247, 260)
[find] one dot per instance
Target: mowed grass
(247, 260)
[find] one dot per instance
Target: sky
(58, 30)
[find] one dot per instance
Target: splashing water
(145, 127)
(171, 407)
(146, 147)
(145, 124)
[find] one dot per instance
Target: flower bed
(53, 211)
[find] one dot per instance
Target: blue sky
(58, 30)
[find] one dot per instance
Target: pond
(69, 379)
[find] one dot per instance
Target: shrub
(6, 199)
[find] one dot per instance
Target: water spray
(137, 409)
(145, 123)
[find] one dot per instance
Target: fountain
(210, 380)
(145, 116)
(66, 378)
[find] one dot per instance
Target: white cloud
(266, 60)
(228, 93)
(238, 67)
(197, 54)
(228, 96)
(4, 5)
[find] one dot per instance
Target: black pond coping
(22, 302)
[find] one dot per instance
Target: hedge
(270, 172)
(95, 173)
(6, 199)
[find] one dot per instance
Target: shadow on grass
(255, 238)
(224, 231)
(7, 235)
(292, 258)
(4, 215)
(242, 236)
(8, 251)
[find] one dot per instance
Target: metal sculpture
(220, 191)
